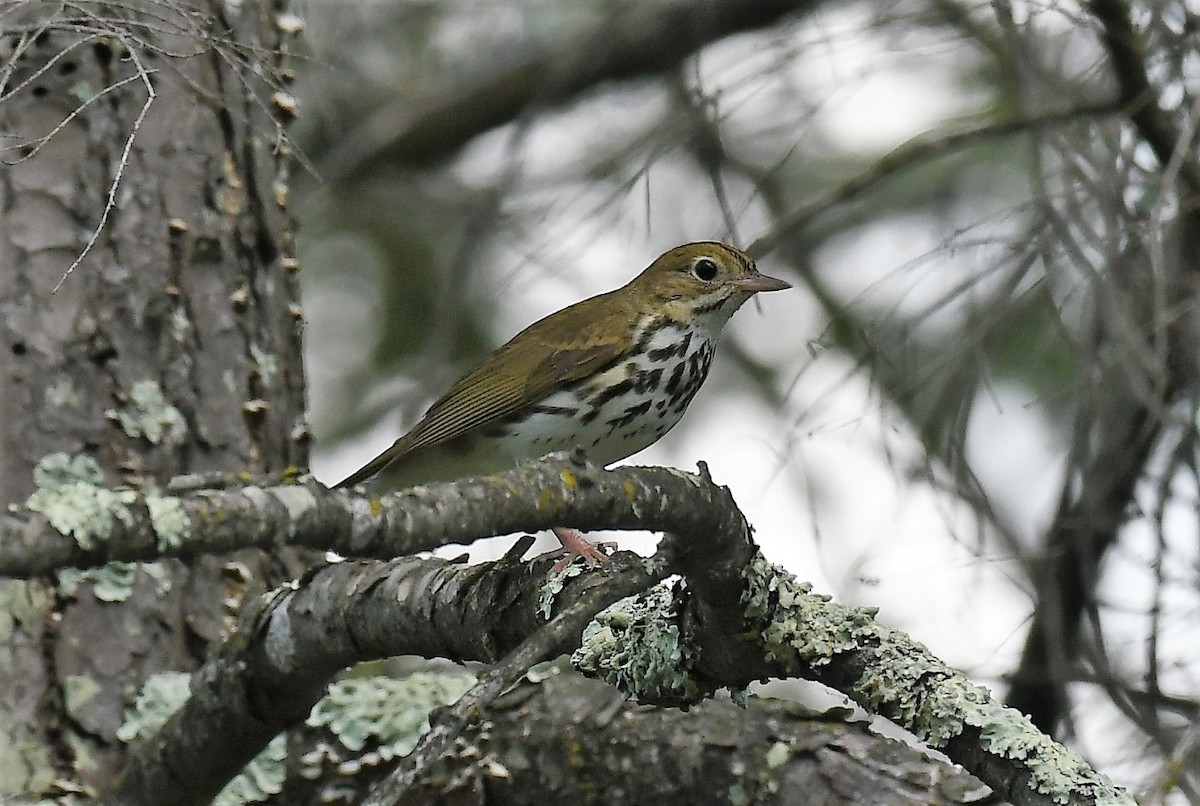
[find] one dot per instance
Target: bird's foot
(574, 546)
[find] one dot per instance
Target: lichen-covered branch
(74, 521)
(912, 156)
(462, 719)
(270, 672)
(519, 749)
(786, 631)
(736, 619)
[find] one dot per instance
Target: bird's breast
(618, 412)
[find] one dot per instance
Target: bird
(609, 375)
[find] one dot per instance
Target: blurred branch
(896, 383)
(637, 40)
(1111, 450)
(1170, 145)
(913, 155)
(1116, 429)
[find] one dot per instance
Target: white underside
(543, 433)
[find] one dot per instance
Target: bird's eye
(705, 269)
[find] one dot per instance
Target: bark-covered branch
(269, 673)
(738, 619)
(1118, 444)
(785, 631)
(73, 521)
(521, 750)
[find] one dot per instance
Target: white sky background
(832, 481)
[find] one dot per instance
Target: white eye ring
(704, 269)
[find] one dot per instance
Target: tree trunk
(151, 160)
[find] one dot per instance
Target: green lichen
(778, 755)
(26, 764)
(553, 586)
(268, 363)
(22, 602)
(70, 495)
(161, 696)
(905, 683)
(112, 582)
(170, 520)
(261, 779)
(1058, 772)
(149, 414)
(62, 393)
(539, 672)
(635, 645)
(386, 714)
(296, 499)
(798, 626)
(78, 691)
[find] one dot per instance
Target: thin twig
(111, 199)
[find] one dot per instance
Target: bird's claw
(574, 546)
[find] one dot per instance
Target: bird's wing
(504, 383)
(493, 391)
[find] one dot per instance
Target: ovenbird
(610, 375)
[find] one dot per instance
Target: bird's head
(707, 281)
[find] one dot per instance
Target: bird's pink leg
(574, 544)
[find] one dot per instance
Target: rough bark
(614, 751)
(149, 157)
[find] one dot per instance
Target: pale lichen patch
(161, 696)
(778, 755)
(172, 527)
(553, 586)
(78, 691)
(635, 645)
(22, 602)
(70, 496)
(903, 681)
(63, 394)
(385, 714)
(148, 414)
(297, 500)
(112, 582)
(266, 362)
(796, 625)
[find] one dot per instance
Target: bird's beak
(753, 283)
